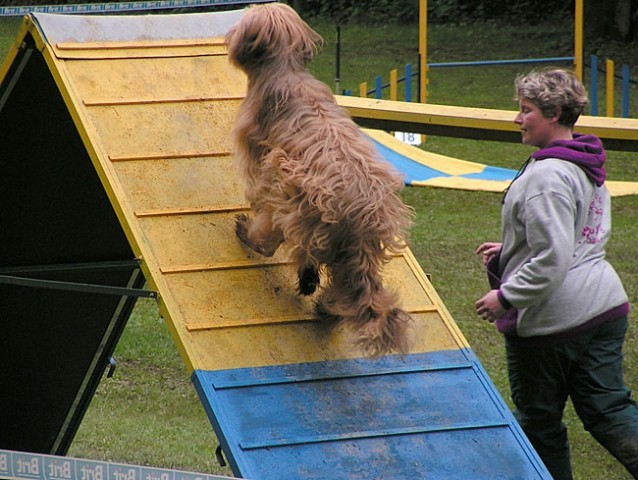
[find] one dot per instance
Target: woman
(559, 303)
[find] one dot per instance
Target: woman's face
(536, 129)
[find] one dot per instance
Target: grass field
(149, 414)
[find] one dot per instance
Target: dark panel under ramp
(66, 266)
(421, 416)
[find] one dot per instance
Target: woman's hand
(489, 307)
(489, 250)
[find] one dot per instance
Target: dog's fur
(314, 182)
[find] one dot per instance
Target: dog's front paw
(242, 222)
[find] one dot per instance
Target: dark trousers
(589, 370)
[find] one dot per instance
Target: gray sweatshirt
(556, 222)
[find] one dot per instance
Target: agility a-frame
(117, 159)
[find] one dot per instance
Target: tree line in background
(439, 11)
(614, 19)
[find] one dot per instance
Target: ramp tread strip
(131, 55)
(141, 44)
(225, 266)
(157, 101)
(167, 212)
(169, 156)
(389, 432)
(237, 264)
(225, 383)
(203, 326)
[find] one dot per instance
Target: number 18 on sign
(409, 138)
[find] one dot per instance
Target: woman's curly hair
(553, 89)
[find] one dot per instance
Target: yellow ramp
(155, 111)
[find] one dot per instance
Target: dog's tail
(378, 324)
(384, 327)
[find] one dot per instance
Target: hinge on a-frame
(112, 365)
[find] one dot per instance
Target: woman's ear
(557, 114)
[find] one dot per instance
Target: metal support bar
(15, 76)
(64, 267)
(76, 287)
(219, 454)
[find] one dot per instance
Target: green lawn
(149, 413)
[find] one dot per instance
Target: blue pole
(593, 89)
(483, 63)
(408, 82)
(625, 91)
(378, 87)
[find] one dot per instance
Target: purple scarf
(586, 151)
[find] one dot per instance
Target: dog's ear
(247, 44)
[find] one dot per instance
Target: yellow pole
(363, 89)
(393, 84)
(610, 87)
(423, 57)
(578, 40)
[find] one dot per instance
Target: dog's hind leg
(258, 233)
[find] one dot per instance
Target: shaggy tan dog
(314, 182)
